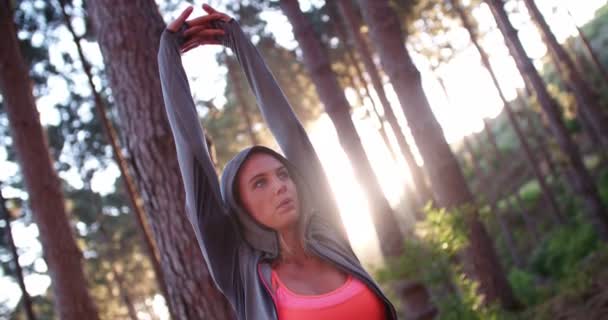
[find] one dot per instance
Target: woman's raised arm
(216, 232)
(278, 114)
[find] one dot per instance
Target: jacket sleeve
(283, 123)
(215, 230)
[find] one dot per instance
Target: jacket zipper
(361, 278)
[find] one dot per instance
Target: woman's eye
(259, 183)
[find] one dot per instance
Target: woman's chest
(311, 280)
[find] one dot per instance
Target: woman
(270, 234)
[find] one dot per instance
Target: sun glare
(352, 202)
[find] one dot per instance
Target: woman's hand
(177, 23)
(200, 30)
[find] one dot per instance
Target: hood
(257, 235)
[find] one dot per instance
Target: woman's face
(267, 192)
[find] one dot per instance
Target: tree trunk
(121, 162)
(317, 62)
(25, 296)
(532, 161)
(243, 106)
(447, 180)
(116, 274)
(594, 57)
(372, 112)
(128, 33)
(581, 180)
(585, 98)
(508, 236)
(502, 222)
(61, 253)
(541, 142)
(530, 223)
(363, 83)
(353, 26)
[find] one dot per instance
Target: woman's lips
(285, 204)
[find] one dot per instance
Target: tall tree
(317, 62)
(353, 25)
(587, 102)
(128, 33)
(121, 162)
(548, 194)
(25, 296)
(589, 48)
(63, 257)
(580, 177)
(447, 180)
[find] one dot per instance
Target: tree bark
(541, 142)
(594, 57)
(121, 162)
(585, 98)
(353, 26)
(25, 296)
(317, 62)
(128, 33)
(352, 60)
(447, 180)
(581, 180)
(62, 255)
(532, 161)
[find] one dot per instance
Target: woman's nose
(280, 187)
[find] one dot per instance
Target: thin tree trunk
(594, 57)
(583, 116)
(502, 222)
(112, 136)
(62, 255)
(374, 108)
(128, 33)
(586, 100)
(474, 160)
(580, 177)
(507, 235)
(336, 106)
(541, 142)
(25, 296)
(353, 26)
(447, 180)
(530, 223)
(487, 128)
(116, 274)
(532, 161)
(243, 106)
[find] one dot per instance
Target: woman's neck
(292, 248)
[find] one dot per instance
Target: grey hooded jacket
(237, 249)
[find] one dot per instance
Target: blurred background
(465, 142)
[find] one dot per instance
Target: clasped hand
(200, 30)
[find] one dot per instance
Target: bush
(431, 259)
(559, 253)
(603, 183)
(526, 288)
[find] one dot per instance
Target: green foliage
(562, 249)
(431, 259)
(603, 185)
(526, 287)
(530, 193)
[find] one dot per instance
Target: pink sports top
(353, 301)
